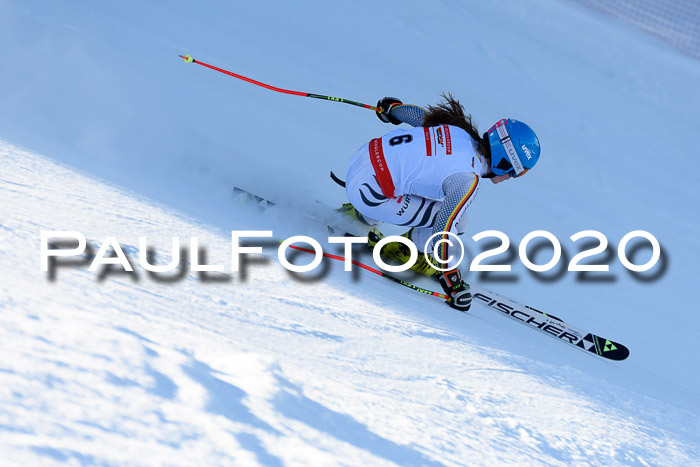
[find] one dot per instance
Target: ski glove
(457, 290)
(386, 104)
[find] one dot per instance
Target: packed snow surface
(104, 131)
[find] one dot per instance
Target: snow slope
(266, 369)
(345, 369)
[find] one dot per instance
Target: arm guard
(411, 114)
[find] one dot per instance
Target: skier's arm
(396, 112)
(460, 190)
(407, 113)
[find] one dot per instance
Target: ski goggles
(517, 167)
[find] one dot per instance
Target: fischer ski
(550, 324)
(524, 314)
(532, 317)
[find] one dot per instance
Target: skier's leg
(408, 210)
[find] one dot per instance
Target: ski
(524, 314)
(242, 196)
(550, 324)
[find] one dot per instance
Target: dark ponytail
(451, 112)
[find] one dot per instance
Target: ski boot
(349, 210)
(399, 253)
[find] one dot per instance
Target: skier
(426, 177)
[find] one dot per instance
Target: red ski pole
(189, 59)
(379, 273)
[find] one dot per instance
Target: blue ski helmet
(514, 147)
